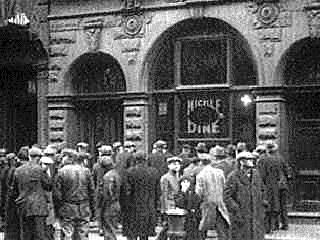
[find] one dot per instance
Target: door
(305, 150)
(101, 121)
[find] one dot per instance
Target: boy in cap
(170, 184)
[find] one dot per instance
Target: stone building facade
(183, 71)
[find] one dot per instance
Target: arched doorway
(20, 53)
(198, 71)
(99, 86)
(301, 73)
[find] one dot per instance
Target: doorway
(18, 106)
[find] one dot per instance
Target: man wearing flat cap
(158, 159)
(209, 186)
(142, 190)
(270, 171)
(220, 160)
(30, 183)
(186, 155)
(125, 159)
(74, 197)
(245, 200)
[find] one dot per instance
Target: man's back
(75, 184)
(30, 182)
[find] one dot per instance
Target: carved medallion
(133, 24)
(268, 13)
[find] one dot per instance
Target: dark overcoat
(12, 227)
(269, 167)
(31, 183)
(244, 197)
(158, 160)
(142, 189)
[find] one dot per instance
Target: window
(201, 61)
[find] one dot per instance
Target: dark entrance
(101, 121)
(20, 52)
(302, 75)
(99, 87)
(18, 107)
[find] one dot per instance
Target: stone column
(272, 121)
(63, 127)
(136, 123)
(42, 108)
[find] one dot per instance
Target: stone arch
(300, 55)
(182, 28)
(95, 72)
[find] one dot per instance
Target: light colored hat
(201, 147)
(173, 159)
(260, 148)
(128, 144)
(46, 160)
(35, 152)
(217, 151)
(116, 145)
(82, 144)
(49, 151)
(106, 150)
(160, 144)
(243, 156)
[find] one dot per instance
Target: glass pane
(203, 61)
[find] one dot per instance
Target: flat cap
(46, 160)
(35, 152)
(128, 144)
(245, 155)
(49, 151)
(201, 147)
(217, 151)
(173, 159)
(82, 144)
(106, 150)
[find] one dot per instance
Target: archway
(198, 70)
(300, 70)
(21, 53)
(99, 86)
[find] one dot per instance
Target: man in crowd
(124, 159)
(158, 159)
(186, 156)
(108, 206)
(30, 184)
(99, 168)
(220, 160)
(142, 189)
(170, 184)
(209, 186)
(74, 197)
(270, 171)
(244, 198)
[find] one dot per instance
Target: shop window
(202, 61)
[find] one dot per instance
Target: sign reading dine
(204, 116)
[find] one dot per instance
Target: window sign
(163, 109)
(205, 116)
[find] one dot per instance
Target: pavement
(295, 232)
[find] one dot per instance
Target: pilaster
(272, 120)
(136, 123)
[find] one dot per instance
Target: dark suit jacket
(30, 184)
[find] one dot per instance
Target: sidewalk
(297, 232)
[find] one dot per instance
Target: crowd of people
(54, 192)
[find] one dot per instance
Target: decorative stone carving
(92, 30)
(130, 4)
(197, 12)
(269, 17)
(268, 48)
(313, 14)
